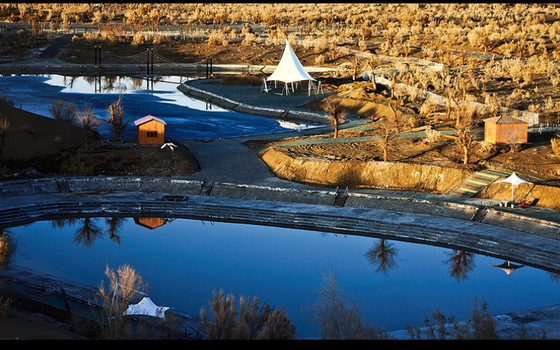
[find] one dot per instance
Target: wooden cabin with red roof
(151, 130)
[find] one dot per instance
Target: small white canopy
(146, 307)
(289, 70)
(514, 180)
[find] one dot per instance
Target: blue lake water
(186, 117)
(184, 261)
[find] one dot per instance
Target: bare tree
(390, 127)
(88, 121)
(63, 111)
(466, 120)
(116, 119)
(338, 317)
(356, 66)
(460, 264)
(336, 115)
(124, 284)
(4, 126)
(383, 255)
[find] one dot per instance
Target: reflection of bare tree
(460, 264)
(383, 255)
(114, 226)
(338, 317)
(89, 230)
(8, 248)
(555, 277)
(87, 233)
(109, 83)
(137, 83)
(60, 223)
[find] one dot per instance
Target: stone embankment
(401, 176)
(239, 107)
(412, 219)
(405, 176)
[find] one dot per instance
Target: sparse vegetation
(4, 126)
(124, 285)
(480, 326)
(88, 122)
(250, 321)
(338, 317)
(116, 119)
(62, 110)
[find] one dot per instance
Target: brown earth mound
(360, 173)
(38, 145)
(414, 162)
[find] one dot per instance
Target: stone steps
(477, 182)
(539, 256)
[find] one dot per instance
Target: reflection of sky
(186, 118)
(184, 261)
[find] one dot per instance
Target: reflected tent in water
(508, 267)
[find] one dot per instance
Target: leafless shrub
(338, 317)
(487, 147)
(250, 321)
(5, 307)
(215, 38)
(138, 39)
(432, 135)
(481, 325)
(555, 143)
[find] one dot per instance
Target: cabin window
(151, 133)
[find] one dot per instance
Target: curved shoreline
(286, 114)
(420, 220)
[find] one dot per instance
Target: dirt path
(57, 45)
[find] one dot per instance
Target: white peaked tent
(514, 180)
(146, 307)
(290, 71)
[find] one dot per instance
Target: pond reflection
(460, 264)
(183, 261)
(383, 255)
(186, 118)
